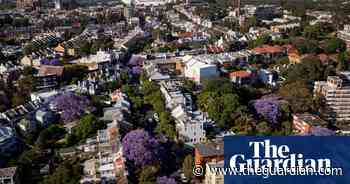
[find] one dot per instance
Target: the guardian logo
(285, 159)
(267, 155)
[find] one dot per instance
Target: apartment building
(303, 123)
(336, 92)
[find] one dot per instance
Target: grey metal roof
(211, 149)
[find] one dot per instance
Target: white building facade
(198, 70)
(336, 92)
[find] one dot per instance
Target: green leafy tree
(85, 48)
(28, 49)
(231, 109)
(299, 96)
(313, 32)
(26, 85)
(149, 87)
(263, 128)
(220, 101)
(251, 22)
(244, 125)
(309, 70)
(17, 100)
(74, 72)
(166, 125)
(28, 71)
(129, 90)
(148, 174)
(137, 102)
(189, 85)
(48, 137)
(305, 46)
(154, 98)
(334, 45)
(286, 128)
(343, 61)
(88, 125)
(68, 172)
(261, 40)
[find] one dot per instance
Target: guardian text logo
(286, 159)
(267, 155)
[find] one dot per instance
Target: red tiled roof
(185, 34)
(265, 49)
(241, 74)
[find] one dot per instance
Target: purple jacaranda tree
(165, 180)
(71, 106)
(268, 108)
(140, 147)
(321, 131)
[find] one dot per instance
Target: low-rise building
(110, 164)
(172, 92)
(189, 123)
(17, 113)
(208, 152)
(242, 77)
(268, 77)
(90, 172)
(199, 70)
(303, 123)
(270, 53)
(282, 28)
(31, 60)
(48, 77)
(45, 117)
(293, 55)
(102, 65)
(88, 87)
(148, 3)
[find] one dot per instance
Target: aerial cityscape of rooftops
(140, 91)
